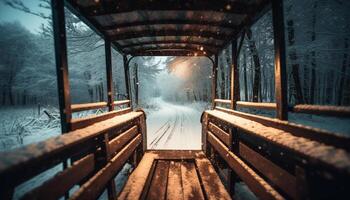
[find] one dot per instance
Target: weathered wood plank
(277, 175)
(337, 111)
(221, 134)
(65, 180)
(87, 121)
(121, 102)
(260, 105)
(176, 154)
(204, 121)
(224, 101)
(213, 187)
(95, 186)
(88, 106)
(43, 155)
(138, 179)
(285, 135)
(258, 185)
(158, 187)
(118, 142)
(320, 135)
(190, 182)
(174, 187)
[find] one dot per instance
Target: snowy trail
(174, 127)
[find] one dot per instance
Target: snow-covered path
(174, 126)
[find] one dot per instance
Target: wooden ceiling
(168, 27)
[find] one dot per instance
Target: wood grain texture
(158, 187)
(191, 185)
(277, 175)
(258, 185)
(213, 187)
(174, 187)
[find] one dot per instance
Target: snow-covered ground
(22, 125)
(174, 126)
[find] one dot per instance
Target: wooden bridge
(276, 159)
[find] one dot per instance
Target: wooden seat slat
(213, 187)
(174, 187)
(191, 186)
(158, 187)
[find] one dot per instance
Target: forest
(317, 59)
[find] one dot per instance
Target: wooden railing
(273, 160)
(97, 105)
(97, 153)
(336, 111)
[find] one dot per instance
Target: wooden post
(108, 56)
(280, 60)
(59, 28)
(127, 78)
(213, 80)
(234, 76)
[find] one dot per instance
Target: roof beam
(187, 49)
(169, 53)
(204, 44)
(150, 33)
(97, 8)
(196, 48)
(142, 38)
(223, 24)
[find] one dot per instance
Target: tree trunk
(257, 66)
(245, 76)
(222, 80)
(343, 73)
(313, 56)
(297, 91)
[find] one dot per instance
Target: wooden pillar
(108, 55)
(213, 80)
(60, 40)
(59, 29)
(234, 76)
(280, 60)
(127, 78)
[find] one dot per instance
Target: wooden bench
(174, 174)
(273, 162)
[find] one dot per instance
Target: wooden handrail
(88, 106)
(267, 151)
(259, 105)
(86, 121)
(336, 111)
(121, 102)
(225, 101)
(323, 136)
(90, 143)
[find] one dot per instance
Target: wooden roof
(168, 27)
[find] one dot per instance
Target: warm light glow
(181, 70)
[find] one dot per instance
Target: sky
(31, 22)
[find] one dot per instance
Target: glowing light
(201, 48)
(181, 70)
(228, 7)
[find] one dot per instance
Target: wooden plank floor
(174, 175)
